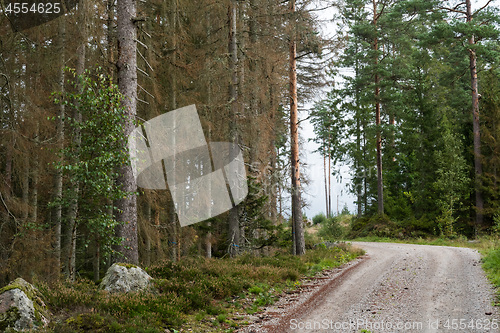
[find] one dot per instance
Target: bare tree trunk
(294, 132)
(326, 184)
(275, 189)
(58, 177)
(147, 238)
(127, 83)
(380, 184)
(208, 236)
(329, 179)
(97, 259)
(358, 169)
(71, 231)
(35, 176)
(110, 16)
(234, 223)
(8, 166)
(173, 216)
(26, 186)
(478, 169)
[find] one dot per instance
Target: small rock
(125, 278)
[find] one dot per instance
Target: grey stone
(126, 278)
(21, 307)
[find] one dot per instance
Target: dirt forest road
(397, 288)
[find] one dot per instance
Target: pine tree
(127, 81)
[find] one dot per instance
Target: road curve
(401, 288)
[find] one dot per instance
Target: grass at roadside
(482, 244)
(197, 294)
(491, 265)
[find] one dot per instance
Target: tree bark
(329, 179)
(96, 265)
(26, 186)
(126, 65)
(478, 169)
(35, 176)
(298, 230)
(69, 268)
(173, 106)
(146, 235)
(234, 223)
(380, 184)
(326, 185)
(8, 165)
(358, 180)
(110, 15)
(58, 177)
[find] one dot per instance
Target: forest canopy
(417, 120)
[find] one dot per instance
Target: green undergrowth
(491, 265)
(196, 294)
(482, 244)
(383, 226)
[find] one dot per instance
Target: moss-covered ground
(196, 294)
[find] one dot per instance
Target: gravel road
(395, 288)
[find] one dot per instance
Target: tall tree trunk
(173, 105)
(208, 236)
(147, 238)
(71, 230)
(8, 165)
(58, 177)
(26, 186)
(126, 65)
(358, 180)
(96, 265)
(359, 171)
(234, 223)
(380, 184)
(110, 17)
(478, 169)
(329, 179)
(297, 223)
(35, 176)
(275, 188)
(326, 184)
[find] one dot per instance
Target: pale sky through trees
(315, 192)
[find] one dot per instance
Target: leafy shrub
(319, 218)
(331, 229)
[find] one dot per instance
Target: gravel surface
(393, 288)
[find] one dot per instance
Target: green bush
(319, 218)
(331, 229)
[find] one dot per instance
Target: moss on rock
(127, 265)
(9, 318)
(40, 311)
